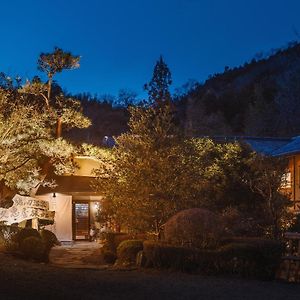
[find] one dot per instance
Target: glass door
(81, 221)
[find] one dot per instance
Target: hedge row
(128, 250)
(256, 258)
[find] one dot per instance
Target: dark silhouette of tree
(126, 98)
(158, 87)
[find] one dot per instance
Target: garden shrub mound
(252, 258)
(33, 248)
(27, 242)
(196, 227)
(127, 251)
(25, 233)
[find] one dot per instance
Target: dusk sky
(119, 41)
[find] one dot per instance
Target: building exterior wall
(291, 181)
(62, 205)
(85, 166)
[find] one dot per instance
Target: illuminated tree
(57, 104)
(56, 62)
(28, 116)
(26, 141)
(154, 173)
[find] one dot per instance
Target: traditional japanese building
(74, 201)
(278, 147)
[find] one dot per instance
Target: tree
(51, 64)
(158, 87)
(264, 178)
(154, 173)
(56, 62)
(126, 98)
(26, 142)
(28, 145)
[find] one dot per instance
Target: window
(286, 180)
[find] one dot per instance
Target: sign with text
(26, 208)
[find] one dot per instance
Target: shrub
(196, 227)
(121, 237)
(162, 255)
(49, 239)
(33, 248)
(256, 258)
(109, 240)
(113, 239)
(109, 256)
(8, 238)
(127, 251)
(241, 224)
(25, 233)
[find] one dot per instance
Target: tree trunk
(59, 127)
(49, 86)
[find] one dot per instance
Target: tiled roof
(290, 148)
(264, 145)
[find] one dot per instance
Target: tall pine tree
(158, 87)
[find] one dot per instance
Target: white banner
(25, 208)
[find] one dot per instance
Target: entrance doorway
(81, 220)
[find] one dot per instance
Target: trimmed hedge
(195, 228)
(112, 240)
(127, 251)
(166, 256)
(25, 233)
(257, 258)
(33, 248)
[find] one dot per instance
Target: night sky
(119, 41)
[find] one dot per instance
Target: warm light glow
(96, 206)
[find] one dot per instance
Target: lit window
(286, 180)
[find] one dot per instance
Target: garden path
(83, 255)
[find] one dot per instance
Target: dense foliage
(29, 119)
(155, 172)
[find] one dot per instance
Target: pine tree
(158, 87)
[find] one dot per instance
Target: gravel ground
(26, 280)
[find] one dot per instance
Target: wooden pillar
(35, 223)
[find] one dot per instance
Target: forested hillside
(261, 98)
(106, 120)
